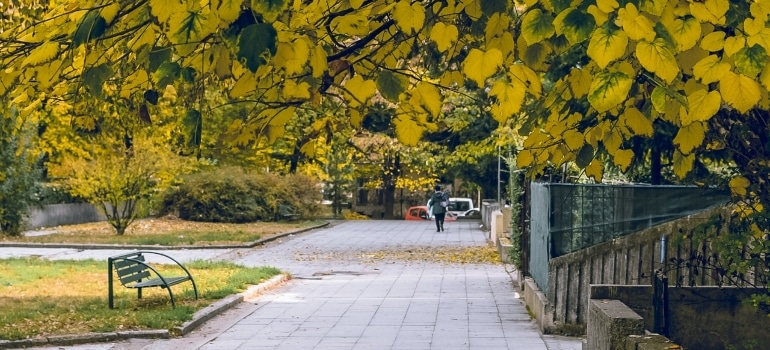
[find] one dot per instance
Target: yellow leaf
(690, 137)
(739, 186)
(636, 25)
(245, 85)
(409, 17)
(657, 57)
(612, 140)
(509, 100)
(764, 77)
(227, 11)
(444, 35)
(595, 170)
(654, 7)
(408, 131)
(537, 26)
(761, 38)
(637, 122)
(579, 80)
(293, 91)
(521, 74)
(293, 56)
(702, 106)
(355, 118)
(607, 6)
(574, 140)
(623, 158)
(41, 54)
(683, 164)
(609, 89)
(760, 9)
(361, 90)
(711, 11)
(606, 46)
(686, 33)
(714, 41)
(524, 159)
(318, 61)
(110, 11)
(480, 65)
(504, 43)
(427, 96)
(599, 16)
(740, 91)
(734, 44)
(354, 24)
(163, 9)
(309, 148)
(710, 69)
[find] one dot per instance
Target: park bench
(133, 271)
(287, 212)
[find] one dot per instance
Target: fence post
(660, 303)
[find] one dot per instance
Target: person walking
(437, 206)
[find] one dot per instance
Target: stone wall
(63, 214)
(704, 318)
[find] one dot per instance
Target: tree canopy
(586, 79)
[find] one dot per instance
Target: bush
(234, 196)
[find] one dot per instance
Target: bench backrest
(131, 268)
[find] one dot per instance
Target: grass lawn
(41, 297)
(164, 232)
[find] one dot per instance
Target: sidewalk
(354, 286)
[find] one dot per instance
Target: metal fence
(569, 217)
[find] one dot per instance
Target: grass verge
(41, 297)
(163, 232)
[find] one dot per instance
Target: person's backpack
(440, 198)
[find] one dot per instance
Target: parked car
(471, 214)
(420, 212)
(459, 206)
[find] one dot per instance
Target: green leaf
(751, 60)
(254, 42)
(537, 26)
(577, 26)
(391, 85)
(490, 7)
(92, 27)
(158, 55)
(609, 89)
(188, 74)
(585, 156)
(269, 9)
(94, 77)
(166, 74)
(193, 126)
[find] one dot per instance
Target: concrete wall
(704, 318)
(63, 214)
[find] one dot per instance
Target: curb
(198, 319)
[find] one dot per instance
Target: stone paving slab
(342, 298)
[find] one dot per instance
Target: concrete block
(610, 322)
(649, 342)
(538, 305)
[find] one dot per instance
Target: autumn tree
(18, 172)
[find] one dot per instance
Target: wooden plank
(608, 270)
(560, 293)
(573, 292)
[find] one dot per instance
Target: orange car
(420, 212)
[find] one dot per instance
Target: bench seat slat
(157, 282)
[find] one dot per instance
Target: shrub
(234, 196)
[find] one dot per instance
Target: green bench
(134, 272)
(287, 212)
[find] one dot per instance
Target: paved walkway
(354, 287)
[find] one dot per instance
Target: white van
(460, 205)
